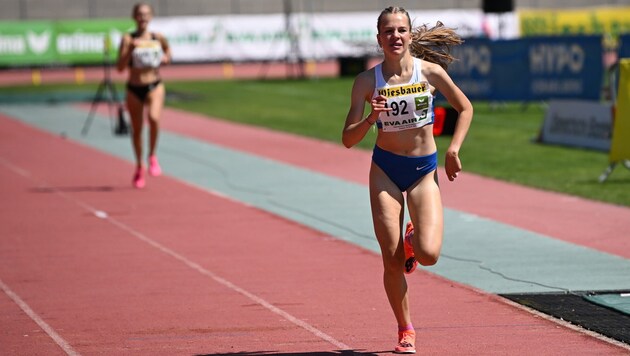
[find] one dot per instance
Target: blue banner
(533, 68)
(510, 71)
(472, 69)
(565, 67)
(624, 46)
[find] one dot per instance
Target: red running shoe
(406, 342)
(410, 258)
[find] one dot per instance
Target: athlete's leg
(425, 209)
(155, 101)
(387, 204)
(135, 108)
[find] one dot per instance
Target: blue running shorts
(404, 171)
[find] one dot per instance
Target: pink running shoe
(154, 167)
(410, 258)
(406, 342)
(138, 178)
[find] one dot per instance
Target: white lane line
(16, 298)
(140, 236)
(256, 299)
(37, 319)
(320, 334)
(17, 170)
(101, 214)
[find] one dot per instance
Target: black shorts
(141, 91)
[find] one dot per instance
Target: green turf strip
(619, 301)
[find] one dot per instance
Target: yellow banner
(611, 21)
(620, 145)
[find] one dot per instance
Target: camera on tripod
(121, 126)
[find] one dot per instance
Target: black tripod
(112, 99)
(294, 63)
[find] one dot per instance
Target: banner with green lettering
(60, 42)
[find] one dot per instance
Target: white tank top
(411, 103)
(148, 54)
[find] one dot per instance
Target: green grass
(310, 108)
(501, 143)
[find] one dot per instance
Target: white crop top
(411, 103)
(148, 54)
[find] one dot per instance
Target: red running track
(174, 270)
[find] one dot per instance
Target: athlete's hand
(135, 43)
(379, 104)
(165, 59)
(452, 165)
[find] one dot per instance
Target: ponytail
(434, 44)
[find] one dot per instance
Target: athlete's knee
(393, 263)
(427, 248)
(428, 258)
(154, 122)
(136, 133)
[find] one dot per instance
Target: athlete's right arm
(124, 53)
(356, 126)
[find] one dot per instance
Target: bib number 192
(398, 108)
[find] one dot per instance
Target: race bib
(411, 107)
(147, 55)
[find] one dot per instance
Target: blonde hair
(432, 44)
(137, 7)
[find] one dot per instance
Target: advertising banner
(624, 46)
(26, 43)
(534, 68)
(510, 71)
(86, 41)
(332, 35)
(597, 20)
(578, 123)
(310, 36)
(565, 67)
(225, 38)
(60, 42)
(472, 69)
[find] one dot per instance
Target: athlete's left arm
(438, 77)
(166, 57)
